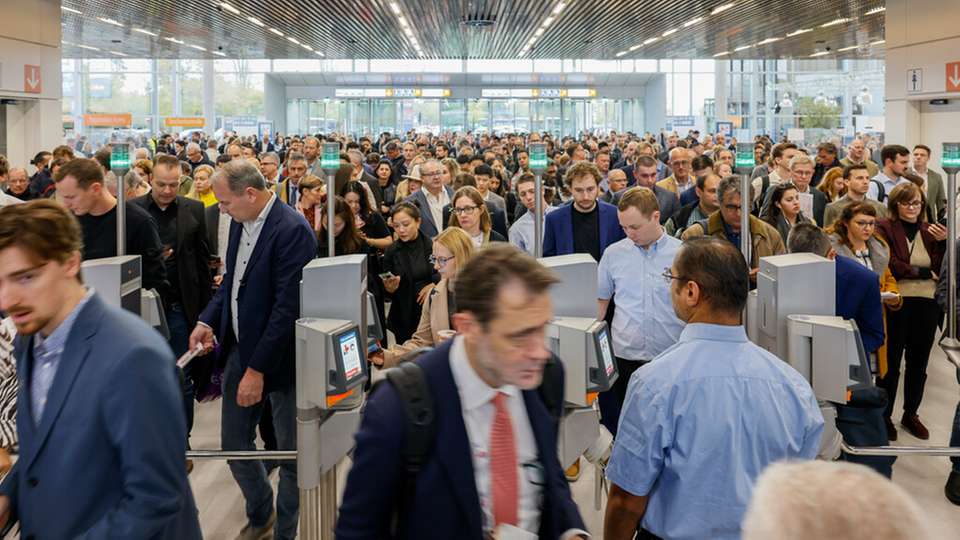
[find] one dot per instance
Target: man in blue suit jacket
(476, 379)
(431, 175)
(101, 423)
(587, 225)
(254, 313)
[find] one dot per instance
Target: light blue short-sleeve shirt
(644, 323)
(699, 425)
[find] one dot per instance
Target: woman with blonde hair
(202, 188)
(452, 248)
(469, 212)
(833, 184)
(451, 172)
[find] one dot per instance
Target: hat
(414, 174)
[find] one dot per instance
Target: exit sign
(538, 157)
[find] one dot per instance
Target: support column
(155, 94)
(176, 88)
(209, 103)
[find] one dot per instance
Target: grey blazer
(936, 194)
(879, 252)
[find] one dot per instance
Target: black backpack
(758, 204)
(881, 191)
(411, 385)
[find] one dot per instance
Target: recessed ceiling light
(319, 53)
(721, 9)
(110, 21)
(881, 42)
(692, 22)
(741, 48)
(256, 21)
(197, 47)
(293, 40)
(621, 53)
(650, 40)
(845, 49)
(532, 41)
(821, 53)
(798, 32)
(835, 22)
(218, 53)
(559, 7)
(89, 48)
(307, 47)
(539, 32)
(671, 31)
(548, 21)
(66, 43)
(635, 47)
(277, 32)
(769, 40)
(395, 7)
(724, 53)
(229, 8)
(174, 40)
(142, 31)
(876, 10)
(71, 10)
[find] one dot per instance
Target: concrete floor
(221, 506)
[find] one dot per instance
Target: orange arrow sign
(32, 82)
(953, 77)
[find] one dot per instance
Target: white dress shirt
(476, 405)
(248, 241)
(436, 207)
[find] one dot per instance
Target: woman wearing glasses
(916, 252)
(411, 276)
(451, 250)
(469, 212)
(853, 237)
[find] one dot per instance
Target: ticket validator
(583, 344)
(118, 281)
(331, 353)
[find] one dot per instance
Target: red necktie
(503, 464)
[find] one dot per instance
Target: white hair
(193, 146)
(800, 159)
(141, 153)
(823, 499)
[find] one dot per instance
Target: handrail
(900, 450)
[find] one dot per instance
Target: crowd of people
(224, 228)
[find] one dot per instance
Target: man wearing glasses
(702, 420)
(680, 162)
(644, 324)
(813, 202)
(270, 169)
(432, 198)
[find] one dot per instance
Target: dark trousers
(955, 436)
(611, 401)
(911, 330)
(237, 432)
(179, 342)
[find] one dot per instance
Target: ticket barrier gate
(118, 281)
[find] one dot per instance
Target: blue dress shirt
(888, 184)
(699, 425)
(644, 323)
(522, 231)
(47, 353)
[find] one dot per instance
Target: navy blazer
(858, 298)
(445, 503)
(269, 296)
(558, 229)
(107, 460)
(419, 199)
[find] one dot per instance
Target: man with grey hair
(196, 157)
(268, 247)
(141, 153)
(367, 180)
(821, 499)
(432, 199)
(270, 168)
(18, 184)
(311, 151)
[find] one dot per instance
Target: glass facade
(484, 115)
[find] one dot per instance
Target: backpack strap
(881, 190)
(551, 389)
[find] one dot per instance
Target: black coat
(193, 255)
(409, 260)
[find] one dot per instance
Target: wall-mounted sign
(32, 80)
(436, 92)
(185, 121)
(348, 92)
(108, 120)
(581, 92)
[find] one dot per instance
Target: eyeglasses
(911, 204)
(462, 210)
(428, 174)
(681, 162)
(439, 261)
(864, 224)
(669, 277)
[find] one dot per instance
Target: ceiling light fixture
(835, 22)
(395, 7)
(721, 9)
(319, 53)
(876, 10)
(89, 48)
(110, 21)
(769, 40)
(881, 42)
(559, 7)
(293, 40)
(218, 53)
(548, 21)
(71, 10)
(142, 31)
(742, 48)
(621, 53)
(197, 47)
(798, 32)
(724, 53)
(539, 32)
(650, 40)
(307, 47)
(692, 22)
(277, 32)
(66, 43)
(671, 31)
(635, 47)
(845, 49)
(543, 26)
(174, 40)
(229, 8)
(256, 21)
(821, 53)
